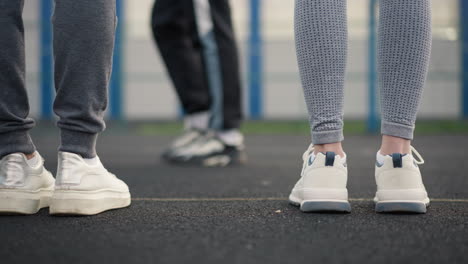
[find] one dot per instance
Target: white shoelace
(309, 150)
(419, 159)
(305, 157)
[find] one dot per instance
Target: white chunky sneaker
(322, 186)
(399, 184)
(82, 189)
(24, 189)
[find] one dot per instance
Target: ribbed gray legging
(404, 46)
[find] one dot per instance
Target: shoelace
(420, 159)
(305, 157)
(309, 150)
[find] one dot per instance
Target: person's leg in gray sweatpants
(14, 107)
(83, 46)
(83, 33)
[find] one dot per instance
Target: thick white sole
(322, 200)
(14, 201)
(342, 206)
(404, 201)
(68, 202)
(401, 207)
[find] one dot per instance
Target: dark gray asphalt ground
(161, 226)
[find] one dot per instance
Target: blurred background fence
(141, 90)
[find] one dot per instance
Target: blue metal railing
(46, 61)
(115, 90)
(255, 66)
(373, 120)
(463, 7)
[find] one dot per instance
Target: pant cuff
(326, 137)
(397, 130)
(77, 142)
(14, 142)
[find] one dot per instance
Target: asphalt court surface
(241, 214)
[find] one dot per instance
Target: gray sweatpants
(404, 47)
(83, 46)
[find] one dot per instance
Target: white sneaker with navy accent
(399, 184)
(322, 186)
(84, 189)
(24, 189)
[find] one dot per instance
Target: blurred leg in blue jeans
(197, 43)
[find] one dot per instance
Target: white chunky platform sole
(69, 202)
(404, 201)
(322, 200)
(24, 202)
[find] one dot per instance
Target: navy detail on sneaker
(329, 158)
(378, 164)
(397, 160)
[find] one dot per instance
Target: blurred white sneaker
(24, 189)
(84, 189)
(210, 151)
(399, 184)
(322, 186)
(187, 137)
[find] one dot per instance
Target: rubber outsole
(325, 206)
(9, 204)
(68, 202)
(401, 207)
(86, 206)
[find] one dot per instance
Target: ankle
(30, 156)
(32, 159)
(391, 144)
(330, 147)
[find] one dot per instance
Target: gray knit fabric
(404, 49)
(403, 57)
(321, 46)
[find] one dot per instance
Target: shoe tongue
(35, 161)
